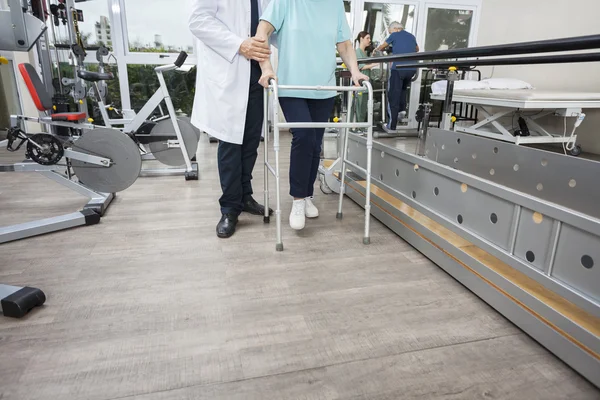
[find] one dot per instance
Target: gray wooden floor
(151, 305)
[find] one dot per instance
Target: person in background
(228, 104)
(401, 42)
(308, 33)
(364, 41)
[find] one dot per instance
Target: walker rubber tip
(279, 247)
(452, 69)
(366, 240)
(266, 220)
(453, 119)
(336, 119)
(3, 60)
(339, 215)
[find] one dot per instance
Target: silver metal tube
(340, 214)
(367, 238)
(171, 109)
(271, 169)
(266, 150)
(279, 245)
(324, 88)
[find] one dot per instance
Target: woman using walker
(307, 34)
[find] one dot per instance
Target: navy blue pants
(397, 85)
(306, 142)
(236, 162)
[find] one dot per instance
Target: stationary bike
(171, 140)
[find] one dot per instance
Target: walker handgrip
(181, 59)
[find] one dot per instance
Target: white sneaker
(311, 210)
(297, 216)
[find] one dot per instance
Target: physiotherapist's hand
(357, 77)
(266, 76)
(255, 49)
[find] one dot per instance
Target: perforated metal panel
(562, 179)
(577, 261)
(534, 239)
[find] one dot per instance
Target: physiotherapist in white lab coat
(228, 103)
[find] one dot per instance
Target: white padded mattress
(529, 95)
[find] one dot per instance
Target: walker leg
(279, 244)
(367, 238)
(346, 131)
(266, 218)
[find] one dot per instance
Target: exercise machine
(171, 140)
(167, 138)
(105, 161)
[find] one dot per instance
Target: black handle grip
(181, 59)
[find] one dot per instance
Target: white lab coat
(223, 76)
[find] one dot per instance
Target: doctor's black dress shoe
(252, 207)
(226, 226)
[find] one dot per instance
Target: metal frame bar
(268, 168)
(503, 134)
(98, 203)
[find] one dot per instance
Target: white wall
(511, 21)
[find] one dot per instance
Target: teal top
(307, 33)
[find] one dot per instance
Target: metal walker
(345, 126)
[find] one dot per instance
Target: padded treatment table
(493, 104)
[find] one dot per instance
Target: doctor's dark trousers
(236, 161)
(306, 142)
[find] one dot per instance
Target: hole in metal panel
(464, 187)
(436, 191)
(530, 256)
(443, 146)
(414, 194)
(495, 150)
(397, 172)
(492, 171)
(516, 167)
(544, 162)
(458, 140)
(493, 218)
(474, 156)
(382, 154)
(587, 262)
(537, 217)
(572, 183)
(381, 177)
(455, 159)
(459, 219)
(539, 187)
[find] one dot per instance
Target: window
(377, 17)
(143, 82)
(159, 28)
(447, 29)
